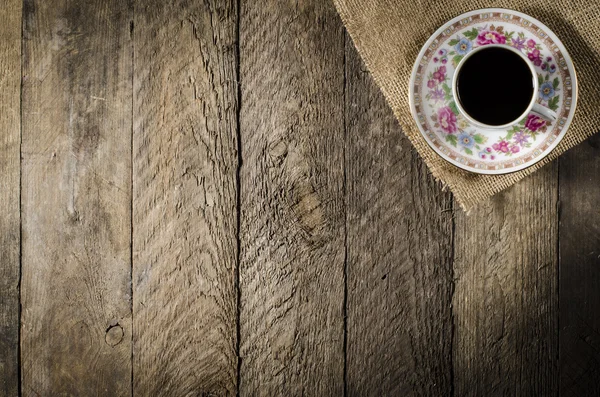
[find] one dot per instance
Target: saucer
(491, 151)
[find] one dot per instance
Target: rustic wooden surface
(10, 218)
(292, 199)
(185, 164)
(399, 244)
(579, 272)
(214, 199)
(505, 303)
(76, 198)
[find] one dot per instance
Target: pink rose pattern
(534, 56)
(534, 123)
(440, 74)
(490, 37)
(447, 120)
(501, 146)
(519, 136)
(435, 82)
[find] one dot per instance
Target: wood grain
(292, 198)
(185, 198)
(579, 278)
(399, 254)
(505, 302)
(76, 317)
(10, 170)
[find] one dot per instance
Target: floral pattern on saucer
(486, 150)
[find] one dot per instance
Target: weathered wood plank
(579, 282)
(185, 198)
(76, 197)
(399, 265)
(505, 302)
(292, 198)
(10, 169)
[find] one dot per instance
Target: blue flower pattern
(466, 140)
(463, 46)
(546, 90)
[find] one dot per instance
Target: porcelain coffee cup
(534, 107)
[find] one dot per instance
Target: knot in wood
(114, 335)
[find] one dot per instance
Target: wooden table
(211, 198)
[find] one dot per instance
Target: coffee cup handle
(544, 112)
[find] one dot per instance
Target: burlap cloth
(389, 34)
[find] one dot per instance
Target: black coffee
(495, 86)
